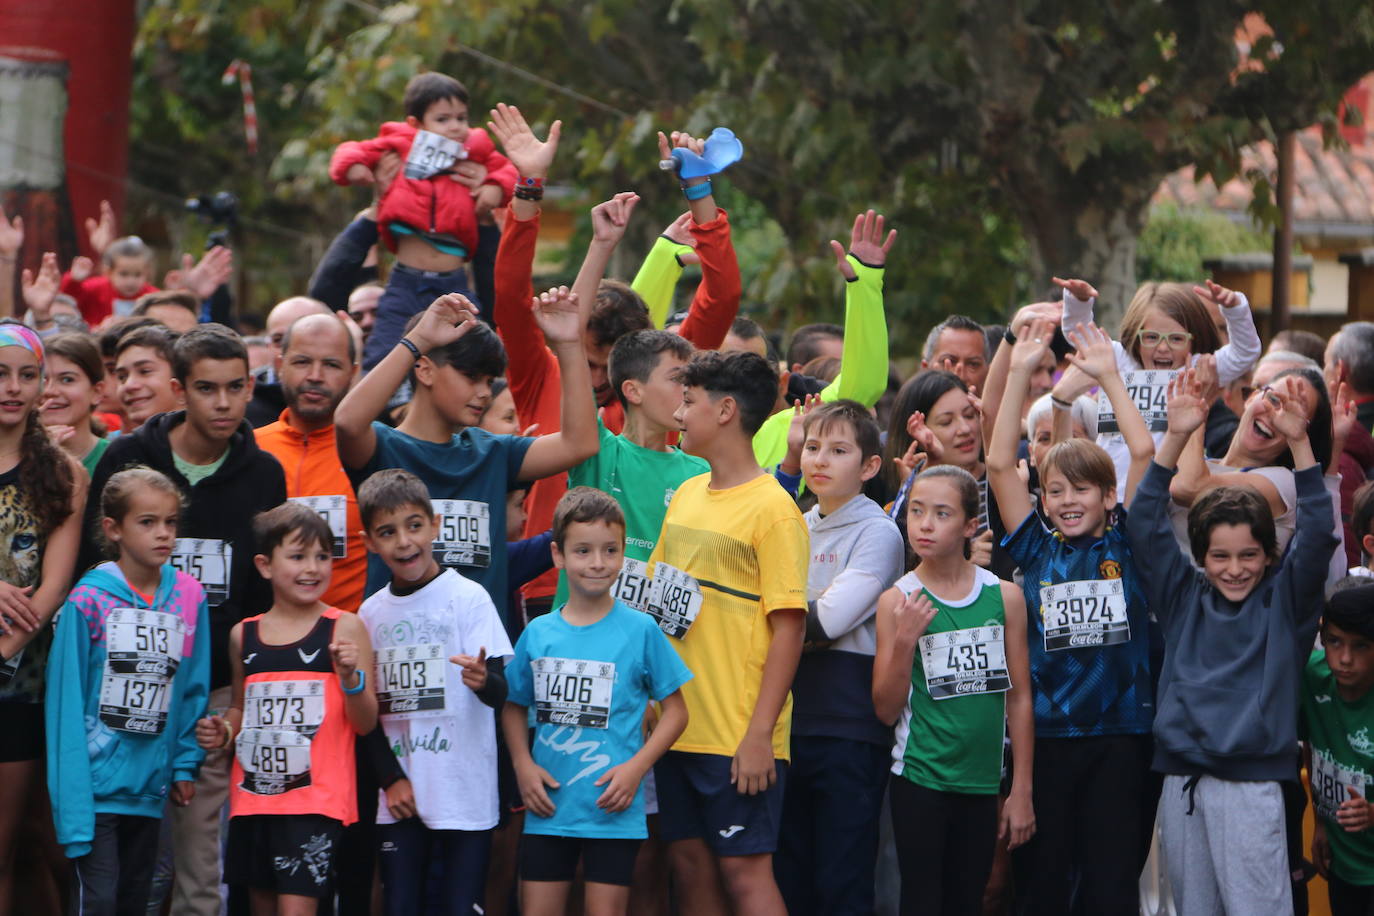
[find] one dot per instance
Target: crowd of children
(512, 603)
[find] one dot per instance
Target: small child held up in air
(301, 693)
(452, 178)
(1362, 524)
(1237, 632)
(588, 670)
(128, 677)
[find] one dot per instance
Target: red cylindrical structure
(89, 46)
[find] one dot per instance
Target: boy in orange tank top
(300, 695)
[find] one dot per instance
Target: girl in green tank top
(951, 669)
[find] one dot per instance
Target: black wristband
(1009, 337)
(414, 350)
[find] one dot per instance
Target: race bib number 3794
(1149, 389)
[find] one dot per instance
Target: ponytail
(45, 476)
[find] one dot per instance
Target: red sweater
(438, 204)
(534, 375)
(95, 296)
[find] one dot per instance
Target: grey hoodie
(856, 555)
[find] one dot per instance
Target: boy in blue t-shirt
(589, 670)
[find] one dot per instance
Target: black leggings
(1350, 899)
(945, 843)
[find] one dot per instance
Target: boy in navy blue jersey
(1088, 635)
(1237, 633)
(588, 670)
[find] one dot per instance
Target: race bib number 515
(208, 561)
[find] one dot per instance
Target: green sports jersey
(643, 481)
(863, 361)
(1340, 734)
(949, 736)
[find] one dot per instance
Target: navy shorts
(697, 800)
(544, 857)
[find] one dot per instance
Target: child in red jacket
(428, 215)
(127, 268)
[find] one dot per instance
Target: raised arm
(996, 384)
(1013, 497)
(563, 324)
(863, 358)
(1096, 357)
(11, 240)
(1077, 305)
(1243, 347)
(662, 268)
(448, 318)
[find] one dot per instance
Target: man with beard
(316, 366)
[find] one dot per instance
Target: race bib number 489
(464, 533)
(674, 600)
(274, 761)
(142, 653)
(573, 691)
(965, 662)
(1081, 614)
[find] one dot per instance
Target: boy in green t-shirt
(638, 467)
(1337, 718)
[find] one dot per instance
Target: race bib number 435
(1081, 614)
(965, 662)
(208, 561)
(573, 691)
(464, 533)
(142, 653)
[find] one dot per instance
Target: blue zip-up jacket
(106, 752)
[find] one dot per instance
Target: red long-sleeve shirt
(95, 296)
(533, 373)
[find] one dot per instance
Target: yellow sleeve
(783, 553)
(657, 278)
(863, 361)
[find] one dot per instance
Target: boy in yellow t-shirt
(739, 629)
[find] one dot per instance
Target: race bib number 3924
(1078, 615)
(965, 662)
(573, 691)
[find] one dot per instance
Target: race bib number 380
(573, 691)
(208, 561)
(1149, 388)
(961, 663)
(334, 510)
(1331, 783)
(464, 533)
(674, 600)
(142, 653)
(410, 680)
(1081, 614)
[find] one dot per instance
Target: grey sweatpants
(1229, 857)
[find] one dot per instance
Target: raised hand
(680, 230)
(1081, 290)
(474, 669)
(1286, 413)
(102, 233)
(1186, 408)
(1217, 293)
(1342, 417)
(924, 437)
(1031, 345)
(611, 217)
(82, 267)
(531, 156)
(980, 550)
(207, 275)
(344, 653)
(1049, 311)
(40, 291)
(1094, 353)
(911, 617)
(866, 242)
(448, 318)
(557, 315)
(796, 437)
(679, 138)
(11, 234)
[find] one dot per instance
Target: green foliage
(1175, 241)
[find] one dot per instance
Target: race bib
(572, 691)
(431, 154)
(10, 666)
(208, 561)
(674, 600)
(292, 705)
(334, 510)
(961, 663)
(1080, 614)
(1330, 782)
(142, 653)
(274, 761)
(983, 523)
(410, 680)
(464, 533)
(633, 584)
(1149, 388)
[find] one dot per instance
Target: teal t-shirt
(195, 473)
(643, 481)
(94, 455)
(1341, 735)
(587, 687)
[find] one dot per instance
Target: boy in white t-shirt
(440, 650)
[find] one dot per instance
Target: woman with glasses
(1166, 327)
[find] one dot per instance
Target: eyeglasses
(1177, 340)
